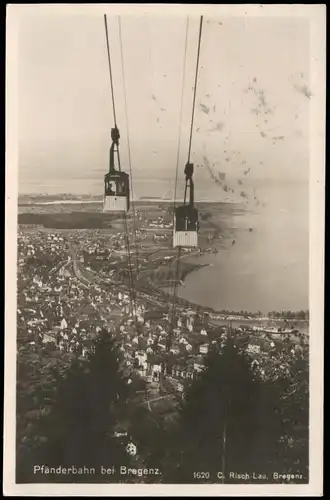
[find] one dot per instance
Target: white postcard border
(317, 16)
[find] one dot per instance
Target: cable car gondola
(116, 183)
(186, 223)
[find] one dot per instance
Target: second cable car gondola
(116, 183)
(186, 222)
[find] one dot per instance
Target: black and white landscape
(141, 360)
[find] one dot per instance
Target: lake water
(266, 269)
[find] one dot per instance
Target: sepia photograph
(164, 249)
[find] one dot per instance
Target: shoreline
(220, 314)
(188, 292)
(31, 200)
(192, 258)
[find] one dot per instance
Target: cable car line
(180, 119)
(185, 231)
(128, 145)
(176, 274)
(175, 281)
(110, 71)
(116, 196)
(185, 223)
(130, 273)
(179, 138)
(195, 86)
(174, 300)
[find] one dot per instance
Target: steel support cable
(115, 283)
(128, 144)
(130, 274)
(111, 81)
(175, 293)
(131, 283)
(176, 275)
(177, 160)
(127, 243)
(189, 153)
(110, 71)
(180, 118)
(118, 280)
(114, 112)
(195, 86)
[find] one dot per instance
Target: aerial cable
(110, 71)
(175, 291)
(130, 273)
(128, 143)
(131, 284)
(180, 129)
(189, 153)
(131, 279)
(195, 86)
(180, 118)
(111, 83)
(177, 271)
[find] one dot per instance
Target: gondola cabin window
(186, 219)
(116, 192)
(121, 187)
(110, 188)
(186, 226)
(117, 186)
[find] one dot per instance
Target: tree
(301, 315)
(89, 401)
(229, 421)
(295, 411)
(148, 432)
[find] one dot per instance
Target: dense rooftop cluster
(58, 309)
(72, 285)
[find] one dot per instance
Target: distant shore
(70, 213)
(44, 199)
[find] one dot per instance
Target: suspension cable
(131, 282)
(111, 83)
(128, 144)
(180, 118)
(175, 293)
(195, 86)
(118, 278)
(177, 272)
(130, 273)
(180, 129)
(110, 71)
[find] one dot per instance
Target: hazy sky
(253, 85)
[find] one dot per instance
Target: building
(141, 356)
(204, 348)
